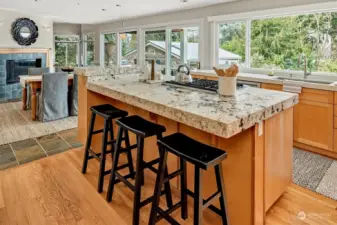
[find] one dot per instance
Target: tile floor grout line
(41, 146)
(63, 140)
(14, 153)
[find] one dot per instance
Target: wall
(67, 29)
(201, 13)
(45, 39)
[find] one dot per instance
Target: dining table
(35, 84)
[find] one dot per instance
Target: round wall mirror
(25, 31)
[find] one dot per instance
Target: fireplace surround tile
(14, 91)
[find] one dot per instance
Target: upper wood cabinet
(313, 124)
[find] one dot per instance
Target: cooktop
(207, 85)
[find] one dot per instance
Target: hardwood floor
(53, 191)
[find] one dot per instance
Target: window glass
(128, 52)
(290, 42)
(184, 46)
(66, 51)
(232, 43)
(110, 49)
(155, 46)
(89, 49)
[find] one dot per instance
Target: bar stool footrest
(95, 155)
(123, 179)
(165, 214)
(149, 199)
(207, 202)
(98, 131)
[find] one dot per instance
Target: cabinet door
(313, 124)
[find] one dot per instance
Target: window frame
(247, 41)
(77, 47)
(85, 47)
(267, 14)
(168, 34)
(118, 44)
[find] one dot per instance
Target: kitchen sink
(305, 80)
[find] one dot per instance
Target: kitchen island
(254, 128)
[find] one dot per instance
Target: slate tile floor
(32, 149)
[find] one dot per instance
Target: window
(281, 43)
(89, 49)
(232, 43)
(155, 45)
(128, 48)
(288, 42)
(66, 51)
(110, 49)
(184, 46)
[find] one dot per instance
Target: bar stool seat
(202, 157)
(193, 151)
(140, 126)
(108, 111)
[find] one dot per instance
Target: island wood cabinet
(314, 120)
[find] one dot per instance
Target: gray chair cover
(74, 97)
(53, 100)
(33, 71)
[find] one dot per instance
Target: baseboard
(319, 151)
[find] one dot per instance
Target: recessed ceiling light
(118, 5)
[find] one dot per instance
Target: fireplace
(15, 68)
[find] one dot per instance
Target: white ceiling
(90, 11)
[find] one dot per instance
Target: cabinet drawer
(317, 95)
(275, 87)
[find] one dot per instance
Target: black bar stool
(202, 157)
(142, 129)
(108, 112)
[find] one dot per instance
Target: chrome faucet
(304, 57)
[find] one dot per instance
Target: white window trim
(84, 47)
(217, 46)
(265, 14)
(168, 34)
(279, 12)
(77, 48)
(118, 44)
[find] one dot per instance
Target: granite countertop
(271, 80)
(219, 115)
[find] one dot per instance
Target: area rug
(17, 125)
(315, 172)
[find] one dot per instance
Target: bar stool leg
(198, 196)
(114, 164)
(88, 144)
(128, 153)
(167, 186)
(183, 187)
(112, 136)
(159, 184)
(222, 199)
(103, 156)
(139, 178)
